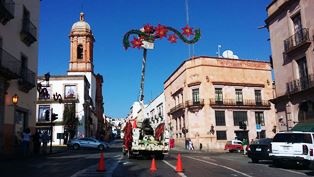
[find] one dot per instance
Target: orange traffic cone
(153, 166)
(179, 164)
(101, 163)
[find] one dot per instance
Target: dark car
(259, 149)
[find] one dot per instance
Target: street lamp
(15, 99)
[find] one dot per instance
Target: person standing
(244, 145)
(36, 142)
(26, 137)
(45, 139)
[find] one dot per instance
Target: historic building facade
(75, 97)
(19, 21)
(211, 100)
(290, 24)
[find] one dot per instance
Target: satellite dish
(227, 54)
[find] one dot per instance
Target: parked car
(294, 146)
(259, 149)
(234, 145)
(87, 142)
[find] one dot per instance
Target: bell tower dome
(81, 47)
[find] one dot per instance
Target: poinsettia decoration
(150, 33)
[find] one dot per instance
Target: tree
(70, 121)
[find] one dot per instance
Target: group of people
(37, 138)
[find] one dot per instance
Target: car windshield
(293, 138)
(263, 141)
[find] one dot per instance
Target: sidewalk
(55, 149)
(182, 149)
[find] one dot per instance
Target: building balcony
(29, 32)
(194, 105)
(177, 108)
(245, 104)
(301, 84)
(298, 40)
(27, 80)
(10, 67)
(6, 11)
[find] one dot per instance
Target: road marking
(222, 166)
(299, 173)
(181, 174)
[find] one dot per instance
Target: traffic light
(47, 115)
(54, 117)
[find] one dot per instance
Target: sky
(232, 24)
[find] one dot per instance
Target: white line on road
(222, 166)
(181, 174)
(299, 173)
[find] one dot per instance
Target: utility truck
(145, 139)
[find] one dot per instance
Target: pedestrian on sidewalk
(36, 142)
(26, 137)
(45, 139)
(244, 145)
(191, 147)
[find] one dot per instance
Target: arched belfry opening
(81, 46)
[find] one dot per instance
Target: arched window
(80, 51)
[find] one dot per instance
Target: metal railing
(177, 107)
(6, 10)
(300, 84)
(190, 103)
(28, 77)
(10, 67)
(233, 102)
(29, 30)
(297, 39)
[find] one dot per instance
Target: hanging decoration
(150, 33)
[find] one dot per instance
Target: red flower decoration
(148, 28)
(161, 31)
(137, 43)
(172, 38)
(187, 31)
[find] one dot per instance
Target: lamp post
(15, 99)
(145, 38)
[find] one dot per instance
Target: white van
(292, 146)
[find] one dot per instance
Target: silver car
(87, 142)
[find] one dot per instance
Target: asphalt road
(84, 163)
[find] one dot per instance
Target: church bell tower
(81, 47)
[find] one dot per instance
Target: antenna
(218, 50)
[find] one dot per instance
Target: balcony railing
(6, 11)
(299, 38)
(191, 103)
(29, 32)
(10, 67)
(27, 79)
(247, 104)
(176, 108)
(194, 105)
(300, 84)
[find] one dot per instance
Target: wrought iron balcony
(194, 105)
(29, 32)
(6, 11)
(27, 80)
(10, 67)
(245, 104)
(301, 84)
(176, 108)
(298, 39)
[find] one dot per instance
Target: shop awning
(304, 127)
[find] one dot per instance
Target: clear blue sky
(229, 23)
